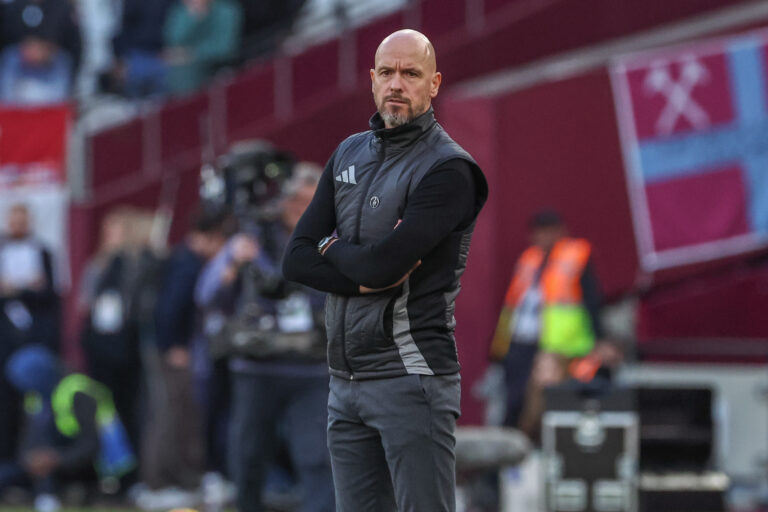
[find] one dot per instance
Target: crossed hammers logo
(678, 92)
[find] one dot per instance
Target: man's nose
(396, 84)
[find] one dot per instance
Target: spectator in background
(35, 72)
(280, 376)
(266, 23)
(139, 48)
(71, 428)
(113, 238)
(54, 21)
(200, 36)
(28, 308)
(99, 21)
(173, 454)
(42, 50)
(550, 316)
(27, 293)
(110, 300)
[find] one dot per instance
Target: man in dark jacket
(399, 203)
(139, 46)
(174, 445)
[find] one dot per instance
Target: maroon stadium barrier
(554, 144)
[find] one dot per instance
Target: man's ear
(437, 79)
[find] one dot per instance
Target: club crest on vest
(374, 202)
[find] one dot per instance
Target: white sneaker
(217, 491)
(163, 499)
(47, 503)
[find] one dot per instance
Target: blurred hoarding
(33, 171)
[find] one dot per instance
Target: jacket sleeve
(592, 297)
(443, 202)
(46, 295)
(175, 306)
(301, 262)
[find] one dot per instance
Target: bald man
(387, 236)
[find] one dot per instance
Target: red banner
(33, 146)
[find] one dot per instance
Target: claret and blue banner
(694, 128)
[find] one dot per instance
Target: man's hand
(177, 357)
(365, 289)
(197, 8)
(609, 353)
(7, 289)
(41, 462)
(244, 249)
(176, 56)
(37, 284)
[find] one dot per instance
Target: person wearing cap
(550, 316)
(72, 431)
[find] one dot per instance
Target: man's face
(547, 237)
(294, 206)
(114, 233)
(18, 222)
(37, 52)
(206, 245)
(404, 80)
(198, 7)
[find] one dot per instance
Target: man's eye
(385, 72)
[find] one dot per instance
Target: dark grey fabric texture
(387, 167)
(392, 443)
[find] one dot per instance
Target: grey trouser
(392, 443)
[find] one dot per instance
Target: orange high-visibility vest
(559, 280)
(566, 328)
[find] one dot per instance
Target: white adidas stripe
(347, 176)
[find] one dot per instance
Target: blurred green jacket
(208, 41)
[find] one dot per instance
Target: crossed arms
(443, 202)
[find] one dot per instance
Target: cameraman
(276, 344)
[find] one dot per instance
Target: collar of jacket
(405, 134)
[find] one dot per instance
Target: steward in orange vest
(565, 326)
(551, 308)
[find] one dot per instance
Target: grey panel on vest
(450, 295)
(413, 361)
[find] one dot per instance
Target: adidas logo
(347, 176)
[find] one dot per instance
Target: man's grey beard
(394, 119)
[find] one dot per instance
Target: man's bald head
(412, 40)
(405, 78)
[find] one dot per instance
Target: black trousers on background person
(173, 452)
(12, 414)
(517, 371)
(296, 406)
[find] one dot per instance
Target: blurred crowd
(204, 376)
(56, 50)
